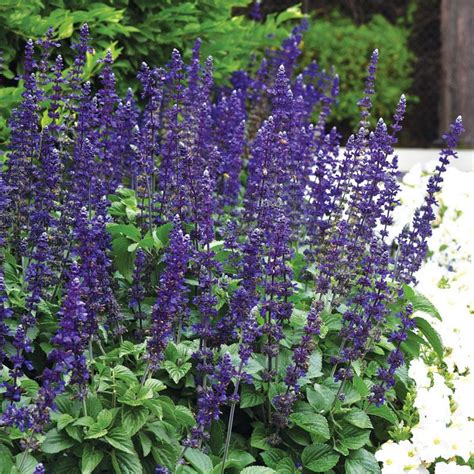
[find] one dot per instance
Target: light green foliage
(337, 41)
(136, 31)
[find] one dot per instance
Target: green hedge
(337, 41)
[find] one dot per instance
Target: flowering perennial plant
(194, 279)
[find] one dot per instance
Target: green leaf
(93, 406)
(145, 442)
(91, 458)
(96, 432)
(184, 416)
(249, 397)
(360, 386)
(176, 372)
(272, 456)
(358, 418)
(431, 335)
(126, 463)
(64, 420)
(352, 437)
(55, 442)
(200, 461)
(155, 407)
(6, 460)
(420, 302)
(104, 418)
(237, 460)
(259, 437)
(361, 462)
(383, 412)
(121, 372)
(133, 419)
(128, 230)
(120, 439)
(286, 466)
(216, 441)
(315, 365)
(312, 423)
(319, 457)
(123, 259)
(136, 395)
(257, 470)
(166, 454)
(320, 398)
(28, 464)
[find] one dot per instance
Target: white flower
(433, 406)
(418, 371)
(451, 468)
(430, 440)
(399, 457)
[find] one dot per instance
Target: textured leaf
(200, 461)
(133, 419)
(319, 457)
(420, 302)
(184, 416)
(383, 412)
(145, 442)
(352, 437)
(272, 456)
(166, 454)
(250, 398)
(121, 440)
(257, 470)
(126, 463)
(320, 398)
(312, 423)
(176, 372)
(28, 464)
(358, 418)
(91, 458)
(64, 420)
(431, 336)
(286, 466)
(361, 462)
(55, 442)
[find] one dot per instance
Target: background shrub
(337, 41)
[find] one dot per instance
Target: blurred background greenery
(340, 35)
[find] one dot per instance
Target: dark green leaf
(420, 302)
(319, 457)
(126, 463)
(27, 462)
(358, 418)
(133, 418)
(121, 440)
(352, 437)
(249, 397)
(361, 462)
(313, 423)
(320, 398)
(200, 461)
(431, 335)
(91, 458)
(383, 412)
(55, 442)
(257, 470)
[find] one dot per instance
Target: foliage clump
(195, 279)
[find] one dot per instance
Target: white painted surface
(408, 157)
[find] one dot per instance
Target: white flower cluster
(443, 393)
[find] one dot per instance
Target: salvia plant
(198, 279)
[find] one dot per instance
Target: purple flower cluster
(169, 310)
(250, 181)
